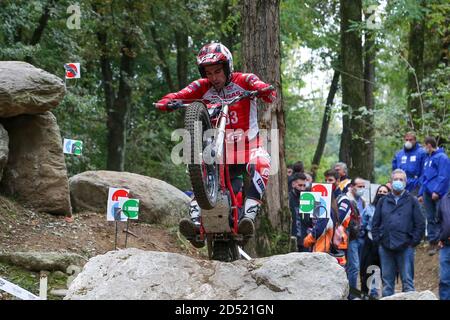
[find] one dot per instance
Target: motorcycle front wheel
(204, 177)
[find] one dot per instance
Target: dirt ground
(90, 234)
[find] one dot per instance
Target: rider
(219, 82)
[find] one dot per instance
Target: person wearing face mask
(397, 228)
(434, 185)
(350, 205)
(309, 181)
(369, 252)
(332, 177)
(410, 159)
(298, 184)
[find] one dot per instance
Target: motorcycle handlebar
(179, 105)
(172, 105)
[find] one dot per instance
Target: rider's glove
(265, 94)
(162, 105)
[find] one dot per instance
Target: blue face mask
(398, 185)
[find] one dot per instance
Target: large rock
(36, 172)
(4, 150)
(159, 202)
(412, 295)
(25, 89)
(142, 275)
(37, 261)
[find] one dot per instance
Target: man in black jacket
(398, 227)
(298, 184)
(444, 244)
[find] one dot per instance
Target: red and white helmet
(215, 53)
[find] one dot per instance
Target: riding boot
(247, 224)
(190, 227)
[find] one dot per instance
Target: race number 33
(233, 117)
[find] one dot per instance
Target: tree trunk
(367, 163)
(353, 149)
(39, 31)
(43, 20)
(261, 55)
(445, 54)
(415, 76)
(118, 115)
(117, 107)
(325, 121)
(181, 41)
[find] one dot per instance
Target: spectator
(410, 159)
(434, 185)
(344, 180)
(296, 168)
(369, 252)
(309, 181)
(298, 185)
(398, 227)
(319, 237)
(332, 177)
(290, 170)
(350, 205)
(444, 252)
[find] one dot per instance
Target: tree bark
(415, 58)
(43, 21)
(181, 41)
(352, 140)
(367, 163)
(39, 31)
(117, 107)
(118, 115)
(261, 55)
(326, 120)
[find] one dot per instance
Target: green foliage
(311, 25)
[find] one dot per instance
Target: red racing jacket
(243, 114)
(243, 118)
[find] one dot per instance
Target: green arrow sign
(130, 208)
(306, 202)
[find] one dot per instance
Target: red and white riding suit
(244, 148)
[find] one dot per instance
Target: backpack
(354, 226)
(338, 233)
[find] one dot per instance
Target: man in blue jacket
(398, 227)
(444, 252)
(434, 185)
(410, 159)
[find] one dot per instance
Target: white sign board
(73, 147)
(113, 211)
(325, 190)
(73, 70)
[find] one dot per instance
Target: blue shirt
(411, 161)
(436, 174)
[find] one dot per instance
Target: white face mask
(359, 193)
(408, 145)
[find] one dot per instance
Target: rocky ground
(90, 234)
(23, 230)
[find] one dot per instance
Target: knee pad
(259, 173)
